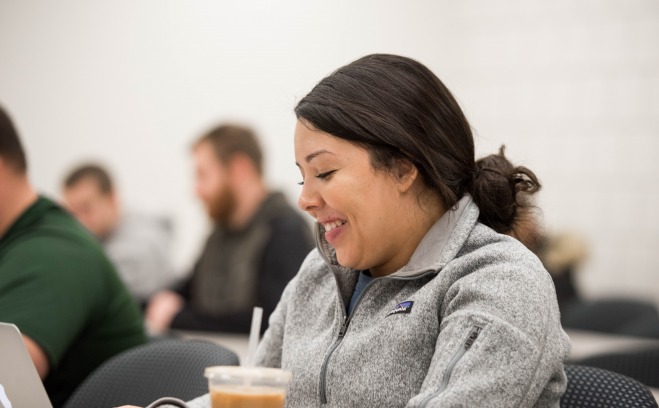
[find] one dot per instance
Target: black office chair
(641, 365)
(589, 387)
(139, 376)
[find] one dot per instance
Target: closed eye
(321, 176)
(326, 175)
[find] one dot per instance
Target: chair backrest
(173, 368)
(593, 387)
(641, 365)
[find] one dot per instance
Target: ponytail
(504, 195)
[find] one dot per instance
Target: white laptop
(20, 385)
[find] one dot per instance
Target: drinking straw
(257, 315)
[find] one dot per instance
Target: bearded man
(256, 247)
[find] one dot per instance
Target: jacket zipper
(337, 342)
(473, 335)
(344, 328)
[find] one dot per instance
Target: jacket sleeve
(500, 342)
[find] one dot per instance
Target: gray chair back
(139, 376)
(589, 387)
(641, 365)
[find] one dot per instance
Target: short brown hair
(93, 172)
(11, 149)
(227, 140)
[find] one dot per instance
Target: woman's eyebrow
(314, 155)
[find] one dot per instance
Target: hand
(161, 310)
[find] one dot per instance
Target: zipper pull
(472, 337)
(344, 327)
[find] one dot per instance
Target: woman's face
(360, 208)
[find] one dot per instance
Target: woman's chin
(346, 261)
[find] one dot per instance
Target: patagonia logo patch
(402, 307)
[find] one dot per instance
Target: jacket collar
(437, 248)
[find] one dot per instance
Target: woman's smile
(333, 230)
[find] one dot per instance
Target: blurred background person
(56, 284)
(257, 245)
(563, 254)
(139, 245)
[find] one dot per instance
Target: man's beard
(222, 205)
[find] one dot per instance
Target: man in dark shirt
(56, 284)
(257, 246)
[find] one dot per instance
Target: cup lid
(232, 372)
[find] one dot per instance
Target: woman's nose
(309, 199)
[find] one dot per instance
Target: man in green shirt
(56, 284)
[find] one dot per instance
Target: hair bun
(503, 193)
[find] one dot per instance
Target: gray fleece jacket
(471, 321)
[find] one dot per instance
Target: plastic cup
(247, 387)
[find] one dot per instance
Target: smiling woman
(417, 295)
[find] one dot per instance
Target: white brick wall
(570, 86)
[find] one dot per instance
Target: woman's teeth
(333, 224)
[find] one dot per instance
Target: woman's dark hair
(397, 109)
(504, 193)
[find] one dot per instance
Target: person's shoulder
(54, 235)
(56, 243)
(57, 252)
(59, 267)
(487, 243)
(508, 278)
(58, 225)
(491, 256)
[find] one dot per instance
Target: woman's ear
(406, 174)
